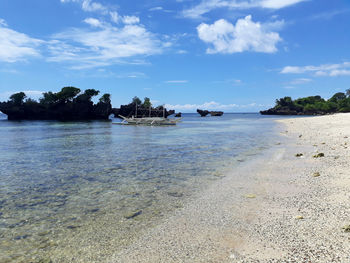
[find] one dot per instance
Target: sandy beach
(293, 210)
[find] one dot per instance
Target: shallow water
(76, 192)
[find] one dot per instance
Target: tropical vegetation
(68, 104)
(312, 105)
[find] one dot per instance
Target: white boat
(149, 121)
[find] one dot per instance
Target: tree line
(68, 104)
(312, 105)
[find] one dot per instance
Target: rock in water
(133, 214)
(203, 113)
(216, 113)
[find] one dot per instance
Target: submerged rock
(175, 194)
(133, 214)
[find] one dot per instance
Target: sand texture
(276, 208)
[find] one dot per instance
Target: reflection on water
(76, 192)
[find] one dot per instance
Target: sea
(80, 191)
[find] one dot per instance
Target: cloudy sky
(233, 55)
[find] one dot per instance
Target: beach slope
(290, 204)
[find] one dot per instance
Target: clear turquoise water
(67, 189)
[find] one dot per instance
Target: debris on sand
(318, 155)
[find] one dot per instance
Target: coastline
(283, 215)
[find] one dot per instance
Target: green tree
(67, 94)
(286, 101)
(87, 95)
(49, 98)
(337, 97)
(136, 100)
(348, 93)
(91, 92)
(106, 98)
(18, 98)
(147, 103)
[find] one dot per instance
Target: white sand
(224, 225)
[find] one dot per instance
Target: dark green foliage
(313, 105)
(337, 97)
(136, 100)
(106, 98)
(348, 93)
(49, 98)
(64, 105)
(17, 98)
(67, 94)
(147, 103)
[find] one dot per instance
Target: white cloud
(103, 46)
(206, 6)
(157, 8)
(93, 22)
(181, 51)
(129, 20)
(2, 22)
(277, 4)
(300, 81)
(246, 35)
(89, 6)
(115, 17)
(176, 81)
(329, 14)
(16, 46)
(231, 82)
(332, 70)
(213, 105)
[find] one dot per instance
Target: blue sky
(231, 55)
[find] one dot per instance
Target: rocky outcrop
(178, 115)
(203, 113)
(280, 111)
(216, 113)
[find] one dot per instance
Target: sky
(230, 55)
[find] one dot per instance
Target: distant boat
(153, 121)
(149, 121)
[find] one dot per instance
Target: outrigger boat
(149, 120)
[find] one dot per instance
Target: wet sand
(275, 208)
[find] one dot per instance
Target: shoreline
(284, 214)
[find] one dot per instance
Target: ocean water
(77, 192)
